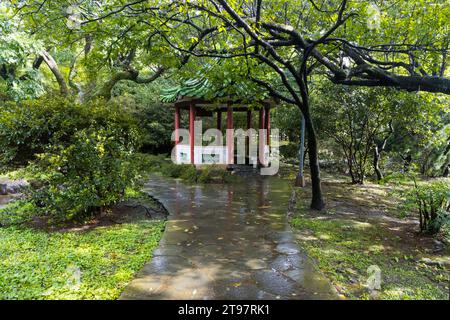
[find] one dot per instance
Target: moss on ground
(345, 249)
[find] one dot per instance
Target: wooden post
(267, 126)
(230, 135)
(192, 130)
(219, 120)
(177, 125)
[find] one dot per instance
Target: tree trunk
(350, 171)
(317, 202)
(446, 171)
(406, 162)
(376, 163)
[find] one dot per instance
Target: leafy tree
(421, 133)
(18, 79)
(107, 47)
(154, 118)
(366, 122)
(357, 120)
(21, 58)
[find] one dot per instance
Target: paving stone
(227, 242)
(275, 283)
(288, 248)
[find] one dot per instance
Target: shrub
(189, 173)
(85, 176)
(290, 150)
(27, 128)
(172, 170)
(396, 178)
(432, 201)
(205, 175)
(213, 173)
(81, 158)
(16, 212)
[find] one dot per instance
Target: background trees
(19, 78)
(377, 127)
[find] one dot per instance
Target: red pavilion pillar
(177, 125)
(247, 138)
(192, 130)
(177, 128)
(219, 120)
(262, 141)
(230, 135)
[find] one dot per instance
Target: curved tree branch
(53, 66)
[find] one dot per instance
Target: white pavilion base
(208, 154)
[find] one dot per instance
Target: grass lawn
(93, 264)
(362, 227)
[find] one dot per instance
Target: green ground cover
(93, 264)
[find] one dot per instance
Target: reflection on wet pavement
(227, 242)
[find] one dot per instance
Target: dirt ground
(123, 212)
(415, 261)
(374, 203)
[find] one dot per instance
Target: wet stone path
(227, 242)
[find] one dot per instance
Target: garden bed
(90, 260)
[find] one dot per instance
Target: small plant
(16, 212)
(172, 170)
(396, 178)
(205, 175)
(432, 201)
(189, 173)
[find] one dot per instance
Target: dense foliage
(376, 129)
(80, 155)
(153, 118)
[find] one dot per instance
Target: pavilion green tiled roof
(202, 88)
(195, 88)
